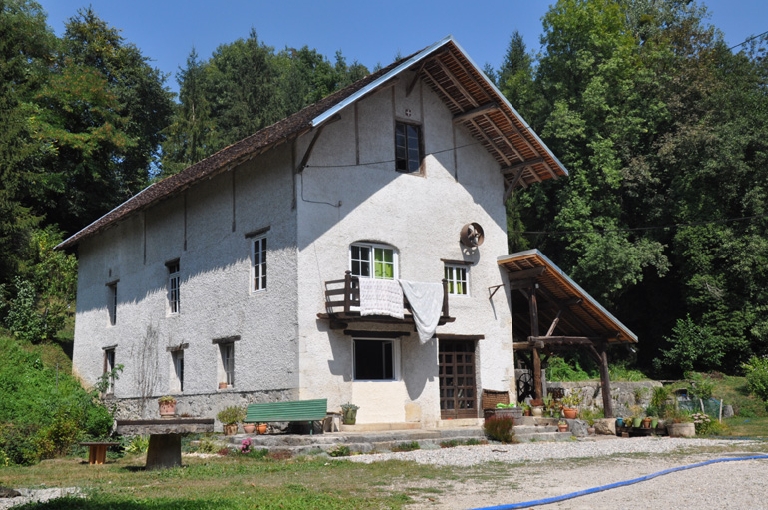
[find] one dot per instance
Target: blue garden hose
(571, 495)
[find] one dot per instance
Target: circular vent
(472, 235)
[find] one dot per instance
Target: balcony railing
(342, 302)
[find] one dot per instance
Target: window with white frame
(112, 302)
(177, 371)
(458, 284)
(376, 359)
(109, 366)
(174, 282)
(369, 260)
(259, 263)
(227, 367)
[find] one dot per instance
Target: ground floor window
(177, 374)
(376, 360)
(109, 366)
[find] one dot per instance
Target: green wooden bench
(292, 410)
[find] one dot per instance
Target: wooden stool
(97, 451)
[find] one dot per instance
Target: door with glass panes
(458, 392)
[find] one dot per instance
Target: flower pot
(537, 411)
(349, 416)
(646, 423)
(262, 428)
(223, 386)
(654, 423)
(230, 429)
(681, 429)
(167, 408)
(570, 413)
(249, 428)
(636, 422)
(619, 422)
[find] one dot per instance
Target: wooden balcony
(342, 305)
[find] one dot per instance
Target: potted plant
(571, 405)
(562, 426)
(526, 408)
(349, 413)
(261, 428)
(167, 405)
(249, 428)
(230, 417)
(509, 410)
(537, 407)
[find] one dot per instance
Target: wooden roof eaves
(564, 281)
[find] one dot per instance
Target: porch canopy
(543, 295)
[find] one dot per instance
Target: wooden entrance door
(458, 393)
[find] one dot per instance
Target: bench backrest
(293, 410)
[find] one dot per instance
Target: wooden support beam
(605, 383)
(534, 313)
(554, 323)
(511, 185)
(311, 145)
(475, 112)
(522, 165)
(456, 83)
(490, 142)
(415, 79)
(525, 274)
(440, 87)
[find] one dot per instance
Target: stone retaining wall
(623, 394)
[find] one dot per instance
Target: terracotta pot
(262, 428)
(230, 429)
(562, 428)
(167, 408)
(222, 386)
(249, 428)
(570, 413)
(646, 423)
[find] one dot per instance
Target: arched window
(370, 260)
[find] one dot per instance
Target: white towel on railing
(426, 301)
(381, 297)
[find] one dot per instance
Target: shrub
(232, 414)
(757, 376)
(701, 387)
(339, 451)
(500, 429)
(138, 444)
(407, 447)
(693, 347)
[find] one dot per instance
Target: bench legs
(164, 451)
(97, 453)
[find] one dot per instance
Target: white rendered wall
(206, 230)
(351, 192)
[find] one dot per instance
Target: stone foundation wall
(199, 406)
(623, 394)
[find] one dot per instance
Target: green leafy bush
(43, 413)
(407, 447)
(756, 370)
(693, 347)
(232, 414)
(500, 429)
(558, 369)
(341, 450)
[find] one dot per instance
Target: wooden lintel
(475, 112)
(564, 340)
(526, 273)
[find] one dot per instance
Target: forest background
(662, 126)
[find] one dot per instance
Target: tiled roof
(444, 66)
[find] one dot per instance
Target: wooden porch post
(605, 382)
(534, 312)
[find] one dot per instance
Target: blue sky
(370, 32)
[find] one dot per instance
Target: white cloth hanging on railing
(381, 297)
(426, 301)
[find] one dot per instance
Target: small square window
(259, 264)
(408, 147)
(458, 284)
(376, 360)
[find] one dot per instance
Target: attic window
(408, 147)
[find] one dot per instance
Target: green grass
(231, 482)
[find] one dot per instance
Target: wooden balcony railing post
(347, 290)
(445, 298)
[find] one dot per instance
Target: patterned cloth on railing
(381, 297)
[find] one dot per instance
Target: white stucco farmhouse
(275, 269)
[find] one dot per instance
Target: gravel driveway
(506, 474)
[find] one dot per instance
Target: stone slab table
(164, 437)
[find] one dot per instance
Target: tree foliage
(244, 87)
(659, 124)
